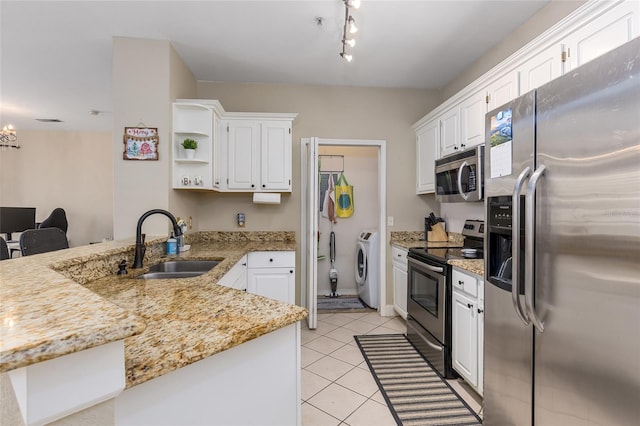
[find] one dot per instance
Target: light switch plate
(390, 221)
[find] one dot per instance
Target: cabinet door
(480, 387)
(400, 290)
(502, 90)
(275, 283)
(608, 31)
(236, 277)
(449, 127)
(275, 156)
(243, 154)
(472, 112)
(218, 164)
(541, 69)
(427, 144)
(464, 349)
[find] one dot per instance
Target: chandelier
(8, 138)
(349, 28)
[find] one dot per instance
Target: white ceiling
(56, 56)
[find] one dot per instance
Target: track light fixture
(349, 28)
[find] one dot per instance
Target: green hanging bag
(344, 198)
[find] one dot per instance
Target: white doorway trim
(309, 219)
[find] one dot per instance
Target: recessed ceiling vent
(49, 120)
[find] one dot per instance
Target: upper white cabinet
(593, 29)
(607, 31)
(237, 152)
(259, 155)
(275, 158)
(472, 111)
(502, 90)
(541, 69)
(243, 152)
(428, 146)
(197, 121)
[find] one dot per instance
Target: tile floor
(337, 387)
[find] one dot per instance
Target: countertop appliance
(460, 177)
(429, 296)
(562, 268)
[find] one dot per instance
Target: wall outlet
(390, 221)
(240, 219)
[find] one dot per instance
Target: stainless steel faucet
(140, 247)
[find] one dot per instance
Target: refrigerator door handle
(460, 191)
(515, 253)
(529, 234)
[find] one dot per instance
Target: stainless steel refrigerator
(562, 250)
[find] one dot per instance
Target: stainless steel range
(429, 295)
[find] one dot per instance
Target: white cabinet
(427, 151)
(236, 277)
(399, 262)
(272, 274)
(541, 69)
(259, 155)
(197, 121)
(468, 327)
(472, 112)
(449, 131)
(243, 151)
(502, 90)
(602, 34)
(275, 165)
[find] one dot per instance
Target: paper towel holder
(266, 198)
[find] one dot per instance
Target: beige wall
(549, 15)
(147, 74)
(72, 170)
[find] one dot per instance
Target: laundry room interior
(359, 166)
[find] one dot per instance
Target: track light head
(349, 42)
(352, 3)
(352, 25)
(346, 56)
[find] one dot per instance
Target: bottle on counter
(172, 245)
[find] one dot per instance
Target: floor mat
(414, 392)
(342, 303)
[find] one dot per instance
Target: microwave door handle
(515, 247)
(529, 234)
(460, 191)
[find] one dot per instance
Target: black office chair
(4, 250)
(35, 241)
(57, 219)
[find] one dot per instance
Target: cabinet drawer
(399, 256)
(272, 259)
(467, 283)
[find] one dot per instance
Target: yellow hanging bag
(344, 198)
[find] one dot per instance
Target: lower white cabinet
(399, 262)
(468, 327)
(272, 274)
(236, 277)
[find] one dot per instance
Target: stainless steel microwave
(460, 177)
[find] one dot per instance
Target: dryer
(367, 267)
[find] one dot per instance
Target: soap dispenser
(172, 245)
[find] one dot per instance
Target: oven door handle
(462, 193)
(426, 266)
(434, 346)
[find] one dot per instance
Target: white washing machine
(367, 266)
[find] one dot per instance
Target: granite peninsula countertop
(166, 324)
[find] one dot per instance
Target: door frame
(309, 262)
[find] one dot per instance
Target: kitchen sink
(179, 269)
